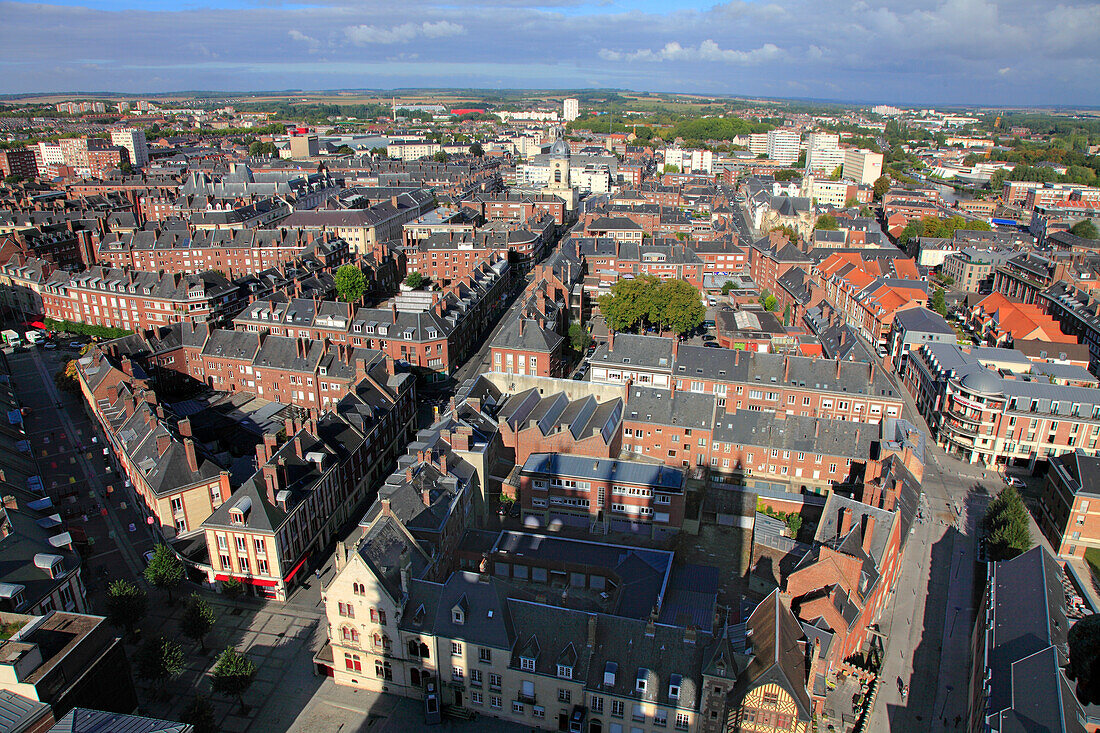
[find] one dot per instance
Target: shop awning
(296, 568)
(252, 581)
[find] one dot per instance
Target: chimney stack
(868, 532)
(271, 482)
(786, 368)
(838, 363)
(184, 426)
(846, 521)
(192, 458)
(163, 442)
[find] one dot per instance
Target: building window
(456, 649)
(475, 677)
(349, 634)
(527, 664)
(476, 698)
(485, 656)
(597, 704)
(382, 670)
(565, 672)
(353, 663)
(517, 707)
(682, 721)
(378, 616)
(494, 702)
(564, 695)
(346, 610)
(494, 681)
(617, 708)
(457, 673)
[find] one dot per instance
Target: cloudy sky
(1010, 52)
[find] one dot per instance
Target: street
(76, 473)
(930, 618)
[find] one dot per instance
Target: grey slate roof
(82, 720)
(661, 478)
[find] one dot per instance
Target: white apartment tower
(570, 109)
(783, 146)
(134, 141)
(862, 166)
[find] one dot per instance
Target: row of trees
(646, 301)
(932, 226)
(160, 659)
(1006, 526)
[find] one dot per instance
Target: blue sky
(989, 52)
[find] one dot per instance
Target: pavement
(77, 474)
(929, 620)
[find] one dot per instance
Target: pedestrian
(317, 573)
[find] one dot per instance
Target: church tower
(558, 183)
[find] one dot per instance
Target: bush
(86, 329)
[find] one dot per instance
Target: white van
(33, 337)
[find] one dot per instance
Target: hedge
(85, 329)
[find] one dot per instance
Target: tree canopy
(931, 226)
(1084, 658)
(826, 222)
(198, 619)
(578, 338)
(159, 660)
(646, 301)
(165, 570)
(233, 674)
(937, 302)
(351, 283)
(1006, 526)
(126, 604)
(881, 186)
(476, 150)
(415, 280)
(1084, 229)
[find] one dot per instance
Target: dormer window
(609, 671)
(641, 684)
(527, 664)
(565, 672)
(674, 687)
(460, 610)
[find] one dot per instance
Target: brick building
(528, 346)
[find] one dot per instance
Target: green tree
(126, 604)
(164, 571)
(351, 283)
(727, 286)
(233, 674)
(789, 231)
(126, 167)
(787, 315)
(232, 589)
(159, 660)
(629, 303)
(881, 186)
(826, 222)
(345, 150)
(578, 338)
(1084, 229)
(837, 173)
(801, 162)
(867, 211)
(678, 306)
(770, 303)
(199, 714)
(198, 619)
(476, 150)
(1006, 525)
(851, 202)
(937, 302)
(1084, 658)
(440, 157)
(414, 280)
(787, 174)
(794, 523)
(671, 168)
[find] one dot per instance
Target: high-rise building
(758, 143)
(823, 153)
(134, 141)
(304, 146)
(862, 166)
(571, 109)
(783, 146)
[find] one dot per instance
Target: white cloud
(299, 36)
(369, 34)
(708, 50)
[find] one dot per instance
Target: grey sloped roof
(796, 432)
(659, 654)
(17, 711)
(660, 477)
(488, 618)
(654, 352)
(83, 720)
(922, 320)
(525, 334)
(664, 407)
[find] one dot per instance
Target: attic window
(527, 664)
(641, 683)
(609, 671)
(674, 687)
(565, 672)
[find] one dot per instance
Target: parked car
(76, 345)
(49, 345)
(1013, 481)
(712, 344)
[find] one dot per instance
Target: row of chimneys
(868, 527)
